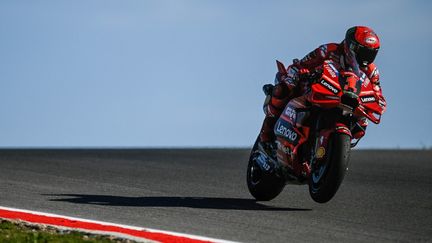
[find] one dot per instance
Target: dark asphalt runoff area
(386, 195)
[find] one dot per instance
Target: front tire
(262, 185)
(326, 178)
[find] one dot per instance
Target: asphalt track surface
(386, 196)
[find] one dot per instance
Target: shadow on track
(190, 202)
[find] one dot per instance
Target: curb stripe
(102, 227)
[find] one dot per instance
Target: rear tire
(262, 185)
(326, 178)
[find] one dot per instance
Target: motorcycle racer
(355, 53)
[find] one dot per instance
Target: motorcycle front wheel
(262, 185)
(326, 177)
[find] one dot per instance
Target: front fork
(324, 130)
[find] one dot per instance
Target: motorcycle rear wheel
(326, 178)
(263, 186)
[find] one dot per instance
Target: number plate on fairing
(264, 161)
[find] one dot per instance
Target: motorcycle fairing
(291, 133)
(371, 105)
(327, 90)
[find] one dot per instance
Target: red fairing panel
(326, 91)
(372, 102)
(291, 134)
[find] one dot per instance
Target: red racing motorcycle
(315, 129)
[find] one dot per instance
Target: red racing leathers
(294, 84)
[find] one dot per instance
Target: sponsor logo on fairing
(329, 86)
(367, 99)
(283, 148)
(320, 152)
(332, 70)
(290, 113)
(365, 80)
(286, 132)
(332, 73)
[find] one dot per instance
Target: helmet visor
(365, 55)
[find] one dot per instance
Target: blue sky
(189, 73)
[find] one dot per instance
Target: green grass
(19, 232)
